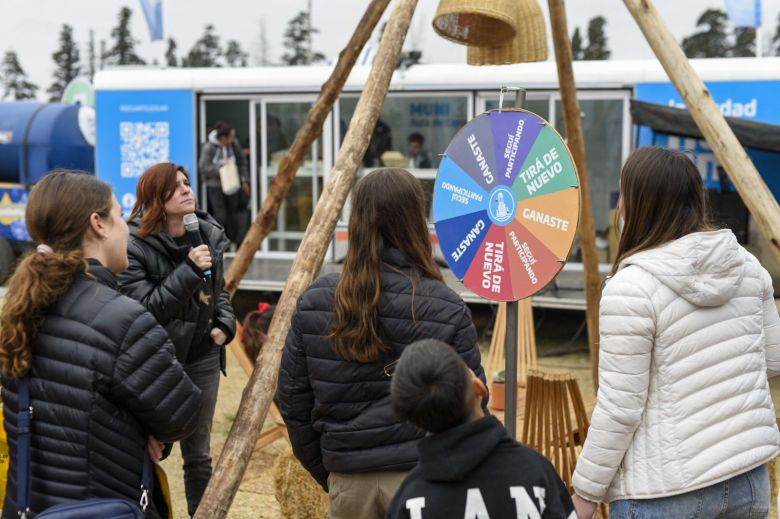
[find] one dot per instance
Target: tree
(744, 42)
(712, 42)
(597, 40)
(170, 53)
(205, 52)
(298, 39)
(66, 60)
(91, 56)
(235, 55)
(776, 38)
(15, 83)
(123, 51)
(576, 45)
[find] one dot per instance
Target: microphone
(192, 226)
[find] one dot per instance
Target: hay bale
(299, 495)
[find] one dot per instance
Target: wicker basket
(483, 22)
(529, 44)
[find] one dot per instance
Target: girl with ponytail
(104, 382)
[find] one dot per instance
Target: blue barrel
(36, 138)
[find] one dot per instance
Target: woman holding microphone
(178, 275)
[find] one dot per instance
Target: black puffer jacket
(338, 413)
(169, 286)
(103, 376)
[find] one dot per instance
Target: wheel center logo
(502, 205)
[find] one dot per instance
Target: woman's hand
(218, 336)
(201, 257)
(585, 509)
(155, 448)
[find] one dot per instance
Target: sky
(31, 27)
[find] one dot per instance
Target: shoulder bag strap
(23, 420)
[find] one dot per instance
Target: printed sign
(506, 204)
(137, 129)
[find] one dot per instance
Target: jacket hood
(453, 454)
(704, 268)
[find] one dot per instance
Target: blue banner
(154, 18)
(139, 128)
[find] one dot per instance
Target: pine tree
(66, 60)
(597, 40)
(170, 53)
(297, 39)
(15, 83)
(712, 42)
(745, 42)
(776, 38)
(235, 55)
(576, 45)
(123, 51)
(91, 56)
(103, 54)
(206, 51)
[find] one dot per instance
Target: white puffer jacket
(689, 333)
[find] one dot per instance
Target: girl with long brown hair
(684, 424)
(180, 281)
(348, 331)
(103, 379)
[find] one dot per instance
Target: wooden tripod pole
(309, 132)
(260, 389)
(730, 153)
(576, 143)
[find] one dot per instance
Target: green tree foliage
(170, 54)
(66, 61)
(744, 42)
(712, 41)
(14, 79)
(297, 41)
(205, 52)
(597, 40)
(576, 45)
(235, 55)
(123, 50)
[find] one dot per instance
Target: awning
(678, 121)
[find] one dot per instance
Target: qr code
(142, 145)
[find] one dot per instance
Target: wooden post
(259, 392)
(730, 153)
(309, 132)
(576, 143)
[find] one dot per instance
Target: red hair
(155, 188)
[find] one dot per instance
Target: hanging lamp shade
(529, 43)
(475, 22)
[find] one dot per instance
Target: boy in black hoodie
(468, 465)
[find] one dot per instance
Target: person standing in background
(418, 156)
(219, 150)
(182, 285)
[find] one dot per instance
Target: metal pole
(512, 310)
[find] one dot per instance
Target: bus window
(602, 127)
(282, 121)
(412, 132)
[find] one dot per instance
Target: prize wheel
(506, 204)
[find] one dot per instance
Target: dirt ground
(255, 498)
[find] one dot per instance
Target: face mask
(620, 224)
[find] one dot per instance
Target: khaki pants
(365, 495)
